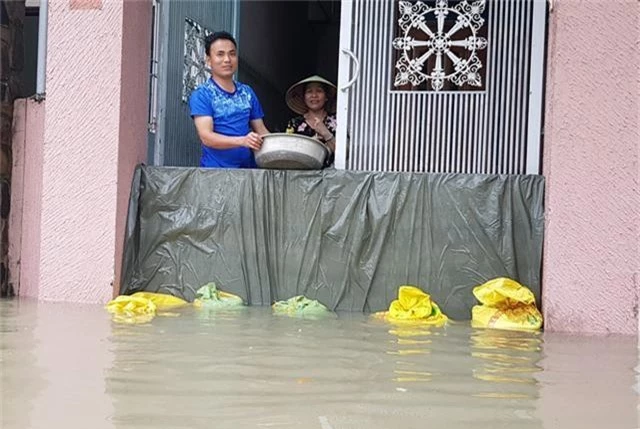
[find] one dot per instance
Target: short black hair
(218, 35)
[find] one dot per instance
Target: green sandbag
(209, 296)
(300, 306)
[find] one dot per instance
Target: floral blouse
(298, 125)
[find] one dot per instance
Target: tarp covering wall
(346, 238)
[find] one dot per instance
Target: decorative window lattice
(441, 45)
(196, 71)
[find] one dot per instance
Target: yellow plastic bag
(415, 306)
(131, 309)
(162, 301)
(506, 304)
(141, 307)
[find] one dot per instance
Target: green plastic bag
(300, 306)
(208, 296)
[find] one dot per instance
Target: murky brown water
(70, 367)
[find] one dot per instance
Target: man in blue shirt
(227, 114)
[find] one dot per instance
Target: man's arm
(257, 125)
(204, 127)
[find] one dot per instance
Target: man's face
(223, 58)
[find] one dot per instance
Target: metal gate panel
(495, 130)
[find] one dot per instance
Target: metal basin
(291, 152)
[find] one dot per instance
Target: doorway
(279, 43)
(282, 42)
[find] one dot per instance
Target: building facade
(74, 153)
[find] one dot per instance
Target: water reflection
(70, 367)
(20, 376)
(488, 373)
(53, 364)
(507, 361)
(411, 340)
(594, 374)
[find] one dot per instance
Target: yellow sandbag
(131, 309)
(300, 306)
(161, 300)
(142, 307)
(414, 306)
(506, 304)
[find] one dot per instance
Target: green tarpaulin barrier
(345, 238)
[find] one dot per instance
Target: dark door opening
(282, 42)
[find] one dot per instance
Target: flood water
(70, 367)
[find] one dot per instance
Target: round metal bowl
(291, 152)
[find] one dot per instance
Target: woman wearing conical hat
(313, 99)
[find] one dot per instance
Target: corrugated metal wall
(450, 131)
(177, 136)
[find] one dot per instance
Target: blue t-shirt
(231, 113)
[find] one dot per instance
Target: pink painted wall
(590, 278)
(94, 134)
(134, 96)
(80, 152)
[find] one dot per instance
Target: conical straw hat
(295, 95)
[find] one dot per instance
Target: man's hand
(209, 138)
(252, 140)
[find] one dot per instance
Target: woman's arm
(326, 134)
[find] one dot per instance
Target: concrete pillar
(590, 264)
(94, 135)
